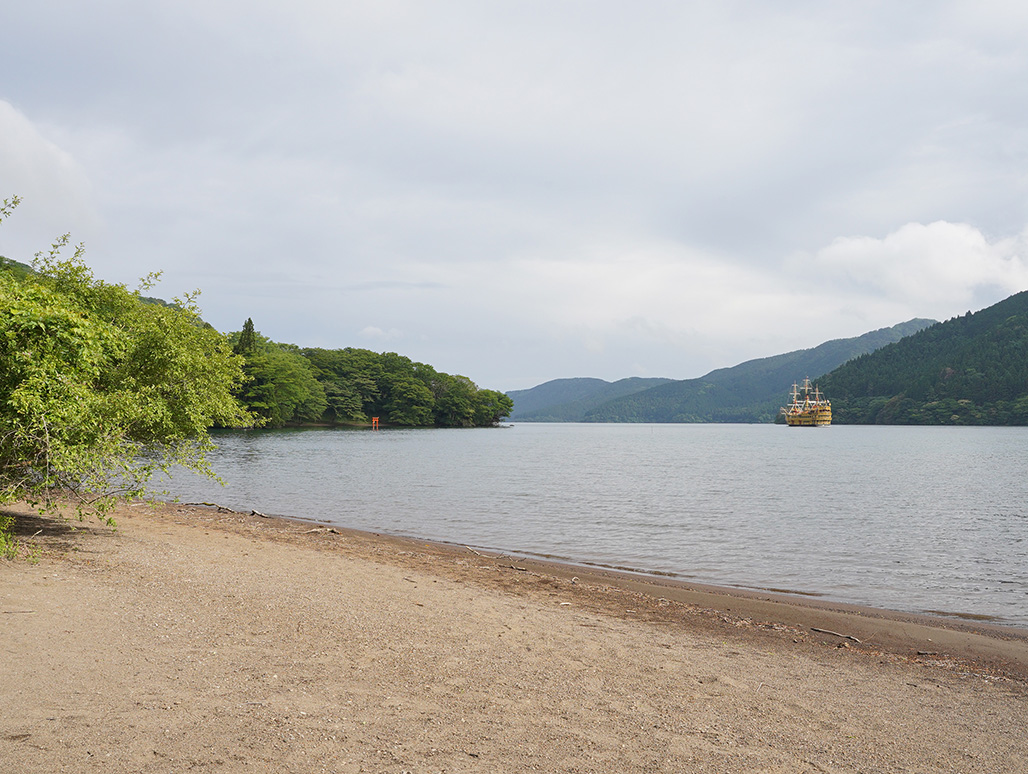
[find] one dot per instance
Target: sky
(524, 191)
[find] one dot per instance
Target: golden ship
(809, 407)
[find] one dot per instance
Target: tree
(455, 398)
(491, 407)
(410, 403)
(247, 342)
(280, 386)
(100, 390)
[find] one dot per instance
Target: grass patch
(8, 545)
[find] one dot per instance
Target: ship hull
(817, 418)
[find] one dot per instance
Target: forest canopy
(289, 385)
(969, 370)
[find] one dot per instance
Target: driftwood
(226, 509)
(219, 508)
(835, 634)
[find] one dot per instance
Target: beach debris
(226, 509)
(835, 634)
(218, 508)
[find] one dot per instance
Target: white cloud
(548, 190)
(56, 193)
(377, 334)
(938, 268)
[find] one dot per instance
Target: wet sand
(196, 639)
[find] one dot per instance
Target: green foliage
(18, 270)
(8, 545)
(970, 370)
(286, 385)
(246, 344)
(360, 384)
(280, 386)
(491, 406)
(100, 391)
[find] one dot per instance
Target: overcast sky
(524, 191)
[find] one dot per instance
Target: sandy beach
(193, 639)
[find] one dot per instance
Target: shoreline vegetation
(289, 386)
(212, 639)
(102, 387)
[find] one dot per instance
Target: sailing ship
(809, 407)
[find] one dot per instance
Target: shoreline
(189, 638)
(925, 638)
(945, 619)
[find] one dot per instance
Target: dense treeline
(970, 370)
(289, 385)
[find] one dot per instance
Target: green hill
(969, 370)
(18, 269)
(568, 400)
(749, 392)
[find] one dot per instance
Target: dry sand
(196, 640)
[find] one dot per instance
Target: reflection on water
(908, 518)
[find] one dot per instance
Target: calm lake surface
(908, 518)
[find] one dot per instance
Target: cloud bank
(531, 192)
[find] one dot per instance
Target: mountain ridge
(969, 370)
(557, 398)
(751, 391)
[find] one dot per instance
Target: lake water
(908, 518)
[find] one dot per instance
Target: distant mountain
(968, 370)
(749, 392)
(568, 400)
(753, 391)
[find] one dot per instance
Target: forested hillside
(968, 370)
(753, 391)
(568, 400)
(15, 268)
(289, 385)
